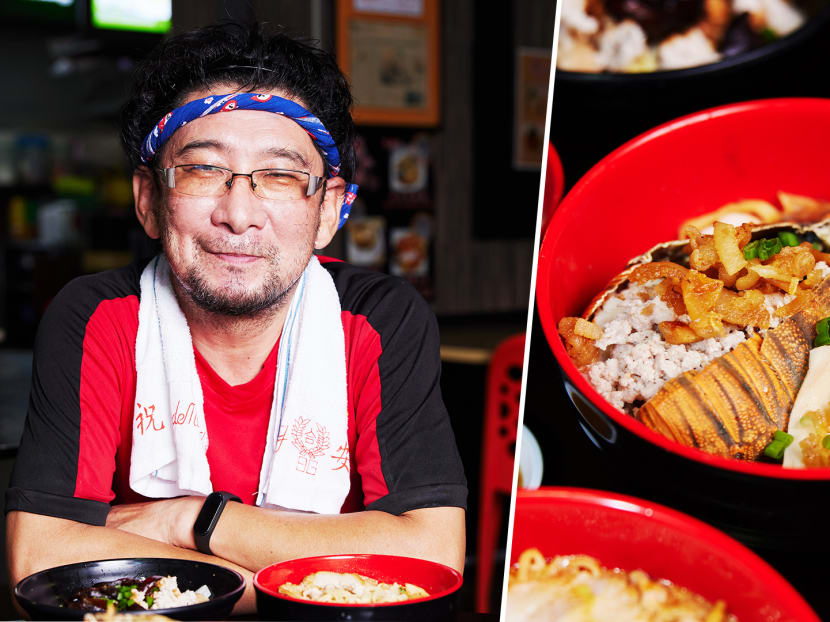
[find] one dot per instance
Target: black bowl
(40, 594)
(593, 113)
(441, 582)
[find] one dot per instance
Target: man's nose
(240, 209)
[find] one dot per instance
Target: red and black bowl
(42, 593)
(637, 197)
(630, 533)
(441, 583)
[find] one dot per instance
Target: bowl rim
(807, 30)
(673, 519)
(234, 594)
(459, 580)
(549, 325)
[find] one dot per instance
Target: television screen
(143, 15)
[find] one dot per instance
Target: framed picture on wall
(530, 107)
(389, 50)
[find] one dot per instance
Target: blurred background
(451, 100)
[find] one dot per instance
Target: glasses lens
(201, 180)
(281, 184)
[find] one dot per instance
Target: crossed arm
(246, 538)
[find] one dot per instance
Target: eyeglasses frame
(314, 181)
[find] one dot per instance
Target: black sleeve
(419, 459)
(45, 476)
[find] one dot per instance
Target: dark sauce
(96, 597)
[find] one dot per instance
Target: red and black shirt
(74, 457)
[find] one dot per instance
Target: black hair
(251, 59)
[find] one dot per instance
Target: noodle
(577, 588)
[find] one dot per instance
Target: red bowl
(441, 582)
(636, 197)
(630, 533)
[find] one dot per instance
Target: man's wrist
(208, 518)
(182, 530)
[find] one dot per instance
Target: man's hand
(165, 520)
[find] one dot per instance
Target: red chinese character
(280, 438)
(309, 443)
(342, 459)
(145, 419)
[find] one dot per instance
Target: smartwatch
(208, 517)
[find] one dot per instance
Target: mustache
(232, 246)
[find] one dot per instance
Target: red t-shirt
(237, 426)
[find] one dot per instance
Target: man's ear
(330, 211)
(146, 195)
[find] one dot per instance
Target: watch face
(212, 504)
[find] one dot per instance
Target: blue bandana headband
(175, 119)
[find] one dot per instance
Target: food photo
(681, 334)
(247, 315)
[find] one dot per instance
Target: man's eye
(202, 169)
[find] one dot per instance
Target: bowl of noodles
(356, 587)
(580, 552)
(639, 198)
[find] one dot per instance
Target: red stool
(501, 418)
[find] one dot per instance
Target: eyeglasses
(206, 180)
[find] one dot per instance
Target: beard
(234, 295)
(234, 299)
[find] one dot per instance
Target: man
(235, 380)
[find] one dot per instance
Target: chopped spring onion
(768, 247)
(780, 441)
(822, 333)
(764, 248)
(817, 246)
(825, 442)
(788, 238)
(149, 600)
(782, 436)
(768, 35)
(775, 450)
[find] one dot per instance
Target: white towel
(305, 465)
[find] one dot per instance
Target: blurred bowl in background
(554, 185)
(595, 113)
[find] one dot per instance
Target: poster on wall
(410, 8)
(530, 109)
(389, 51)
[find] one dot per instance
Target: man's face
(239, 254)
